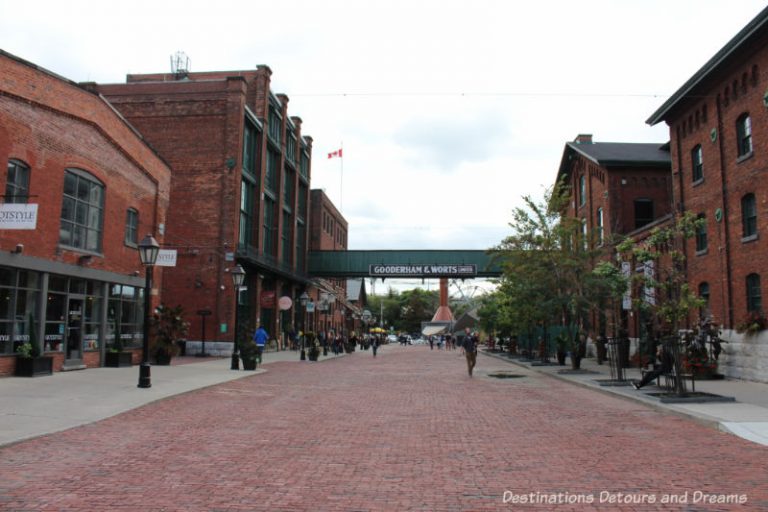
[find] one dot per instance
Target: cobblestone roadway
(406, 431)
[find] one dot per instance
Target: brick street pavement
(405, 431)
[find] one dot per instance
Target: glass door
(74, 328)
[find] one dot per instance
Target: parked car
(391, 338)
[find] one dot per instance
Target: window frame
(744, 135)
(12, 187)
(582, 190)
(754, 294)
(94, 183)
(131, 228)
(702, 243)
(748, 218)
(697, 164)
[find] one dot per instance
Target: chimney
(583, 138)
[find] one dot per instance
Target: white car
(391, 338)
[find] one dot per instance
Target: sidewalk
(31, 407)
(746, 417)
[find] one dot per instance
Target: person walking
(260, 337)
(374, 345)
(431, 343)
(470, 349)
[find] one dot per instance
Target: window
(754, 297)
(704, 294)
(17, 183)
(697, 164)
(744, 135)
(287, 246)
(748, 215)
(304, 164)
(19, 300)
(273, 168)
(132, 227)
(599, 222)
(290, 146)
(250, 149)
(301, 236)
(582, 190)
(584, 241)
(288, 180)
(302, 202)
(270, 227)
(125, 315)
(701, 233)
(275, 124)
(247, 193)
(643, 212)
(82, 211)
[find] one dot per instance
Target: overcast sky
(448, 111)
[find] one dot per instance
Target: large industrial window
(82, 211)
(17, 182)
(247, 194)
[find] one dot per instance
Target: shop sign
(285, 303)
(18, 216)
(166, 258)
(396, 270)
(268, 299)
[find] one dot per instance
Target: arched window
(17, 182)
(754, 296)
(744, 134)
(749, 215)
(82, 211)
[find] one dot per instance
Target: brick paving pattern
(408, 430)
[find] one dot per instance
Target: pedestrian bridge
(457, 264)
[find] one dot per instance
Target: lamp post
(303, 299)
(148, 251)
(238, 276)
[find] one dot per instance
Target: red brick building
(328, 232)
(719, 145)
(240, 194)
(72, 282)
(616, 189)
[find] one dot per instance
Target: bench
(670, 378)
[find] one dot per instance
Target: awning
(431, 330)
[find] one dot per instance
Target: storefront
(75, 314)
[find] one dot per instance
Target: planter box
(34, 366)
(118, 359)
(249, 364)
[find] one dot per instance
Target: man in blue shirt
(260, 337)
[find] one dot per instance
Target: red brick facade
(199, 125)
(50, 126)
(706, 113)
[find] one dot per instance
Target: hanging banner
(166, 258)
(18, 216)
(649, 291)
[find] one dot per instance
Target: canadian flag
(335, 153)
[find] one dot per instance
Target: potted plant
(313, 348)
(752, 323)
(601, 349)
(249, 354)
(578, 349)
(117, 356)
(29, 362)
(168, 326)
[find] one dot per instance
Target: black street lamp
(148, 251)
(238, 276)
(303, 299)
